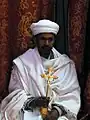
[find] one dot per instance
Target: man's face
(45, 43)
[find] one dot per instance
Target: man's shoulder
(25, 56)
(66, 59)
(28, 52)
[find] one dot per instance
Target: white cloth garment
(26, 81)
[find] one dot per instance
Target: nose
(46, 42)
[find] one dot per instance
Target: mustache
(46, 48)
(45, 51)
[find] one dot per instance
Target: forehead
(46, 35)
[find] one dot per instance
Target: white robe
(26, 82)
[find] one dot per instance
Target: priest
(42, 78)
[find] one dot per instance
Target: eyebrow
(42, 37)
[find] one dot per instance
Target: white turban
(44, 26)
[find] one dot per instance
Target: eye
(51, 39)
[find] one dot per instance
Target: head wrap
(44, 26)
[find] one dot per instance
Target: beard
(45, 51)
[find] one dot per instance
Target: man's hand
(40, 102)
(52, 115)
(36, 102)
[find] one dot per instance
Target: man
(28, 87)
